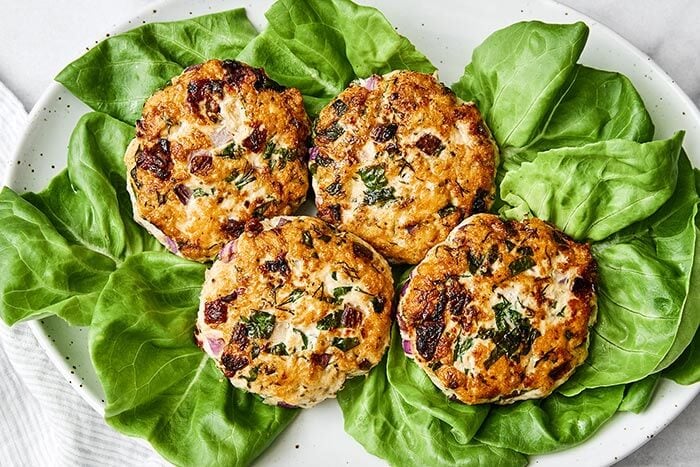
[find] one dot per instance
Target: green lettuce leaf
(550, 424)
(158, 384)
(416, 389)
(598, 106)
(644, 278)
(58, 247)
(378, 417)
(42, 273)
(686, 369)
(319, 46)
(519, 73)
(593, 191)
(121, 72)
(88, 202)
(638, 395)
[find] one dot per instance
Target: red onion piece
(228, 251)
(221, 137)
(407, 348)
(282, 221)
(371, 83)
(216, 345)
(171, 244)
(313, 153)
(405, 287)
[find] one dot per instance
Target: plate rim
(64, 369)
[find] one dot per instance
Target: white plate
(447, 36)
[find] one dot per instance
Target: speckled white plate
(446, 34)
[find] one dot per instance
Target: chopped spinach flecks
(293, 297)
(260, 324)
(307, 239)
(332, 132)
(199, 192)
(446, 211)
(340, 292)
(277, 157)
(252, 375)
(279, 349)
(345, 343)
(521, 264)
(304, 339)
(374, 178)
(377, 304)
(232, 151)
(241, 179)
(513, 335)
(475, 262)
(461, 346)
(330, 321)
(335, 188)
(260, 210)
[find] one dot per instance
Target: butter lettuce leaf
(519, 74)
(58, 247)
(158, 384)
(121, 72)
(417, 390)
(644, 279)
(550, 424)
(319, 46)
(638, 395)
(595, 190)
(686, 369)
(378, 417)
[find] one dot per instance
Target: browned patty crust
(293, 308)
(399, 160)
(501, 310)
(219, 145)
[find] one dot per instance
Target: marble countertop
(38, 38)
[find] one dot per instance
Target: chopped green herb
(232, 151)
(335, 188)
(461, 346)
(331, 133)
(304, 339)
(279, 349)
(435, 365)
(377, 304)
(307, 239)
(260, 324)
(241, 179)
(374, 177)
(521, 264)
(255, 349)
(446, 211)
(339, 106)
(379, 196)
(334, 275)
(260, 210)
(345, 343)
(475, 262)
(330, 321)
(199, 192)
(293, 297)
(252, 375)
(277, 157)
(340, 292)
(513, 335)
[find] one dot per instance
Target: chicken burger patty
(221, 144)
(399, 160)
(500, 311)
(293, 308)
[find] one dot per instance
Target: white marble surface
(38, 37)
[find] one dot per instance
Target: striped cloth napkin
(43, 421)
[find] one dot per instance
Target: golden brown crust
(402, 163)
(220, 144)
(296, 286)
(501, 310)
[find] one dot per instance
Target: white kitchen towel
(43, 421)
